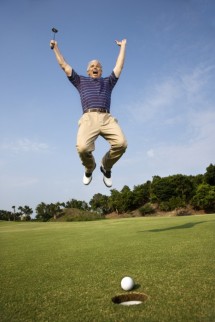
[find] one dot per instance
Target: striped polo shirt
(94, 92)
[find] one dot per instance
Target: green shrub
(183, 212)
(165, 206)
(147, 209)
(73, 214)
(85, 216)
(172, 204)
(204, 198)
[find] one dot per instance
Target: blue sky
(164, 100)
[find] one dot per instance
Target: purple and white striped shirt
(94, 92)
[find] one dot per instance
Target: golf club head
(54, 30)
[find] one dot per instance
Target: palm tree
(26, 212)
(14, 212)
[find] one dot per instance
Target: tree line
(161, 194)
(23, 213)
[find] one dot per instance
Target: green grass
(70, 271)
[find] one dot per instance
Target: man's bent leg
(114, 135)
(86, 137)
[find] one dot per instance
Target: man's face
(94, 69)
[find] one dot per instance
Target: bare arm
(121, 57)
(60, 59)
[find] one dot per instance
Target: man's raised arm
(61, 61)
(121, 57)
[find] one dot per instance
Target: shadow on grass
(136, 286)
(188, 225)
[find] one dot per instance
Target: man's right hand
(53, 43)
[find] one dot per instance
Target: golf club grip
(52, 46)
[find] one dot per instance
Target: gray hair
(90, 63)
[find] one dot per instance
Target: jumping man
(95, 94)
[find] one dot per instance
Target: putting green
(72, 271)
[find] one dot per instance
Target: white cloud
(24, 145)
(182, 108)
(150, 153)
(193, 82)
(169, 98)
(159, 99)
(196, 153)
(196, 85)
(184, 158)
(18, 181)
(204, 122)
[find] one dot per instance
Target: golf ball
(127, 283)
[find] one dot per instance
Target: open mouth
(95, 72)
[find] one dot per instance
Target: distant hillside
(74, 214)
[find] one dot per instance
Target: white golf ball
(127, 283)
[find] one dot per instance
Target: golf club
(54, 31)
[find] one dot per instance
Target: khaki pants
(93, 124)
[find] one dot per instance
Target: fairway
(71, 271)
